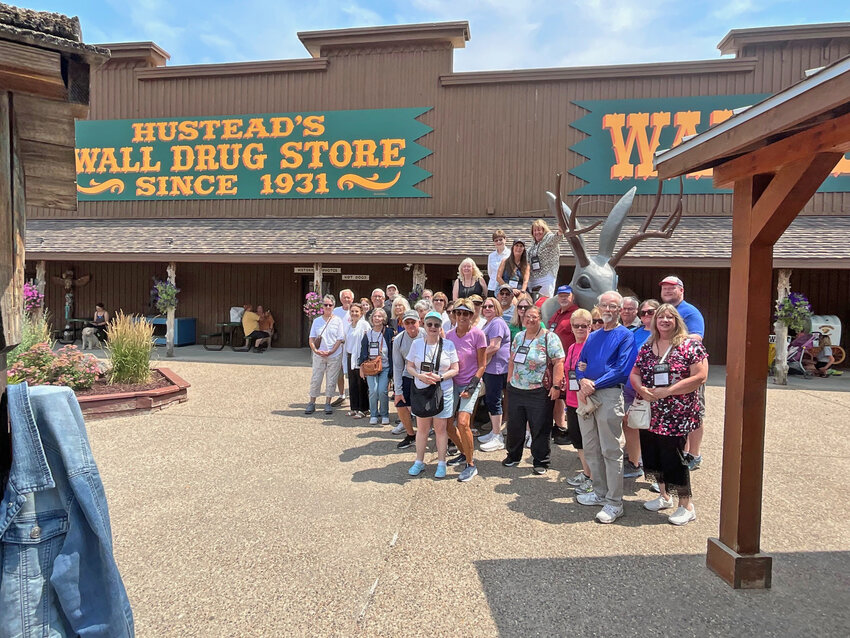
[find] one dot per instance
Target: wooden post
(169, 321)
(419, 277)
(317, 278)
(780, 365)
(41, 275)
(763, 208)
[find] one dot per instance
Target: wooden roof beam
(30, 70)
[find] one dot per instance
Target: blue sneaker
(467, 474)
(416, 468)
(441, 471)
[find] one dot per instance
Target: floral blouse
(675, 415)
(529, 375)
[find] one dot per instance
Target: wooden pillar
(169, 317)
(317, 277)
(41, 275)
(780, 365)
(419, 277)
(763, 207)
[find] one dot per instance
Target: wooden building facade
(496, 140)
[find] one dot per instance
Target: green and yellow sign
(623, 136)
(329, 154)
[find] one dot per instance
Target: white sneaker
(484, 438)
(683, 516)
(578, 479)
(385, 420)
(609, 514)
(399, 429)
(373, 420)
(496, 443)
(589, 499)
(528, 440)
(659, 503)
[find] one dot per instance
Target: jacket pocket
(32, 542)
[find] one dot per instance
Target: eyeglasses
(523, 307)
(646, 313)
(432, 324)
(609, 306)
(595, 321)
(581, 326)
(438, 301)
(478, 303)
(504, 292)
(488, 305)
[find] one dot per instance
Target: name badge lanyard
(375, 347)
(571, 373)
(661, 371)
(522, 351)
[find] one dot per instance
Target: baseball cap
(518, 241)
(504, 287)
(563, 289)
(391, 286)
(673, 280)
(410, 314)
(433, 315)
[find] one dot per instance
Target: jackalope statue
(596, 275)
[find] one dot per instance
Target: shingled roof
(697, 241)
(49, 31)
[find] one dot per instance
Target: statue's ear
(614, 224)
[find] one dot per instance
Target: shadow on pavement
(395, 473)
(665, 595)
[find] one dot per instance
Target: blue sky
(505, 34)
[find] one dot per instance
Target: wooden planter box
(101, 406)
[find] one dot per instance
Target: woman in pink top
(471, 346)
(580, 321)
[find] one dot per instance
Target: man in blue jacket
(604, 366)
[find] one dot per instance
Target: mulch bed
(158, 380)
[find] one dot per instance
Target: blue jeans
(378, 385)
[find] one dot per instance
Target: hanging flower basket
(794, 311)
(312, 305)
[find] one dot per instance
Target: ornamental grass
(129, 346)
(35, 329)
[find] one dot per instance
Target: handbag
(372, 367)
(428, 401)
(640, 414)
(549, 374)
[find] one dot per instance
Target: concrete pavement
(236, 515)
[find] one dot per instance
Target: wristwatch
(441, 378)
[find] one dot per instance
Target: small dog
(90, 340)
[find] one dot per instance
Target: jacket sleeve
(388, 335)
(622, 364)
(85, 576)
(364, 349)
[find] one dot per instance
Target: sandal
(358, 415)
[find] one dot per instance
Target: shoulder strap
(670, 347)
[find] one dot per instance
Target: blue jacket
(59, 576)
(389, 335)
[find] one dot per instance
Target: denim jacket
(59, 576)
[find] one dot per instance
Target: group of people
(258, 328)
(578, 377)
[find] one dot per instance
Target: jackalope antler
(568, 224)
(642, 233)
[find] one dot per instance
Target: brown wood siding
(494, 145)
(207, 291)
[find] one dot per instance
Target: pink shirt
(467, 353)
(570, 363)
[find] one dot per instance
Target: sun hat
(463, 306)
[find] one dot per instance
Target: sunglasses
(504, 292)
(581, 326)
(463, 313)
(478, 303)
(646, 313)
(488, 305)
(328, 305)
(523, 307)
(595, 321)
(433, 324)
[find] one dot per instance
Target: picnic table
(226, 332)
(77, 326)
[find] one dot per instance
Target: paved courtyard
(236, 515)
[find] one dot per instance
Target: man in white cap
(392, 292)
(673, 292)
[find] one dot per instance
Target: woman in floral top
(669, 369)
(528, 399)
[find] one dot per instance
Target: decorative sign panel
(324, 154)
(624, 135)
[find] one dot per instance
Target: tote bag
(428, 401)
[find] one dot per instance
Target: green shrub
(41, 366)
(129, 346)
(34, 329)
